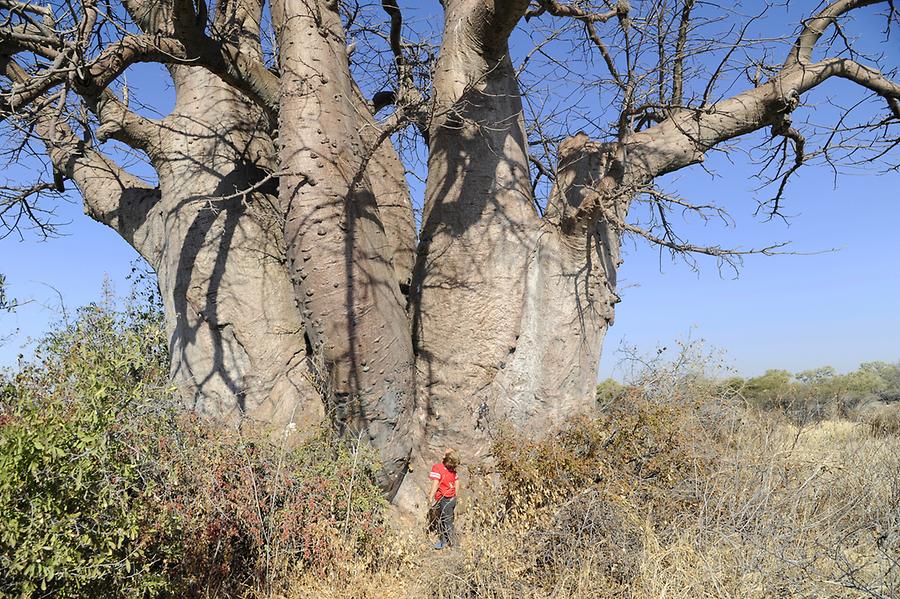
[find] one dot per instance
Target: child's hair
(451, 460)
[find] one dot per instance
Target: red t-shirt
(447, 485)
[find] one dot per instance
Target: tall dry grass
(675, 489)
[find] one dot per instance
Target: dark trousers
(446, 507)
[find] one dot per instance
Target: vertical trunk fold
(511, 309)
(476, 237)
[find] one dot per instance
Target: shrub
(257, 511)
(108, 488)
(634, 447)
(78, 517)
(884, 421)
(608, 391)
(678, 489)
(570, 509)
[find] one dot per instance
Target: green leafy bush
(76, 514)
(108, 488)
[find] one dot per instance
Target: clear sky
(795, 312)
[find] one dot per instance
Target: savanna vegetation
(682, 483)
(110, 488)
(320, 334)
(869, 394)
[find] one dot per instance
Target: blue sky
(838, 308)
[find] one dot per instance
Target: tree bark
(237, 339)
(476, 236)
(509, 310)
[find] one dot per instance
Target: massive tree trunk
(282, 229)
(507, 316)
(509, 309)
(338, 251)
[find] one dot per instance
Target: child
(445, 489)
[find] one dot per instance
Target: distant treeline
(810, 394)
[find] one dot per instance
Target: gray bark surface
(337, 248)
(237, 339)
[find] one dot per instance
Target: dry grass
(789, 513)
(884, 420)
(664, 497)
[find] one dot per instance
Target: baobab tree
(299, 284)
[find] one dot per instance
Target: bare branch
(43, 11)
(17, 203)
(711, 84)
(713, 250)
(111, 194)
(111, 63)
(678, 60)
(559, 9)
(604, 52)
(789, 133)
(745, 112)
(119, 123)
(589, 19)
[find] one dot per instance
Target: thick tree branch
(119, 123)
(588, 177)
(42, 11)
(813, 29)
(393, 11)
(27, 37)
(560, 9)
(682, 139)
(406, 97)
(111, 194)
(116, 121)
(242, 70)
(486, 23)
(111, 63)
(233, 50)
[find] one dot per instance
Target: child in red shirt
(444, 492)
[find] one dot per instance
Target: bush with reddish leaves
(256, 510)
